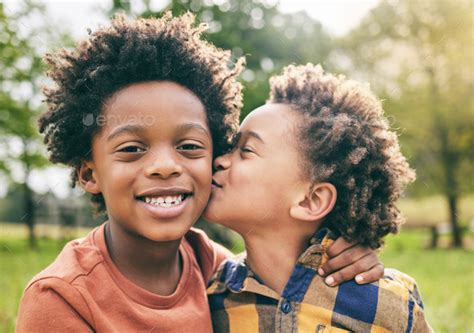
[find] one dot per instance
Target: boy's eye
(189, 146)
(131, 149)
(245, 149)
(191, 149)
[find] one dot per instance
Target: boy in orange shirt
(139, 112)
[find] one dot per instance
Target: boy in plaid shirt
(317, 161)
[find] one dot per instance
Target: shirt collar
(315, 254)
(236, 276)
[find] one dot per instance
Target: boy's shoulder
(400, 285)
(395, 288)
(393, 285)
(209, 254)
(78, 258)
(392, 303)
(231, 276)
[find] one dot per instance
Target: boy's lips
(164, 191)
(215, 184)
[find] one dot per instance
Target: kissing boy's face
(256, 183)
(152, 160)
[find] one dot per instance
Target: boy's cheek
(202, 191)
(203, 179)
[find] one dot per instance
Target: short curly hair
(346, 140)
(128, 52)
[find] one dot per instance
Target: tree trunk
(449, 159)
(29, 216)
(434, 237)
(28, 200)
(453, 219)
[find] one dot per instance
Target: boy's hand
(348, 260)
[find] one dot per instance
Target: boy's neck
(273, 255)
(154, 266)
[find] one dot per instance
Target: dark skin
(155, 140)
(346, 260)
(155, 144)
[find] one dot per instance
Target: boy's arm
(44, 310)
(348, 261)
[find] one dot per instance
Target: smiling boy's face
(152, 160)
(257, 181)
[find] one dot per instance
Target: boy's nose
(222, 162)
(164, 166)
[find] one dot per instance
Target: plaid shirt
(240, 302)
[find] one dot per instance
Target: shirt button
(286, 307)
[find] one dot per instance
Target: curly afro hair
(347, 141)
(133, 51)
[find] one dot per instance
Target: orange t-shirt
(82, 290)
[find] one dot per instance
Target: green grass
(18, 264)
(444, 276)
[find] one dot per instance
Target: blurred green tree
(21, 76)
(255, 29)
(419, 57)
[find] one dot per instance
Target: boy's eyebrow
(188, 126)
(254, 135)
(133, 128)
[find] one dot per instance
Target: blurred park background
(417, 55)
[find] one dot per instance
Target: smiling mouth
(165, 201)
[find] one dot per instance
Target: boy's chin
(166, 233)
(221, 221)
(209, 217)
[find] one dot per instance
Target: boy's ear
(316, 204)
(87, 177)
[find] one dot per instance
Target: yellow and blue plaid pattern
(240, 302)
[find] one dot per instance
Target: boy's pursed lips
(215, 184)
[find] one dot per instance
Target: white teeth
(165, 202)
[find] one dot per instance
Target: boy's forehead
(269, 115)
(152, 104)
(166, 92)
(273, 123)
